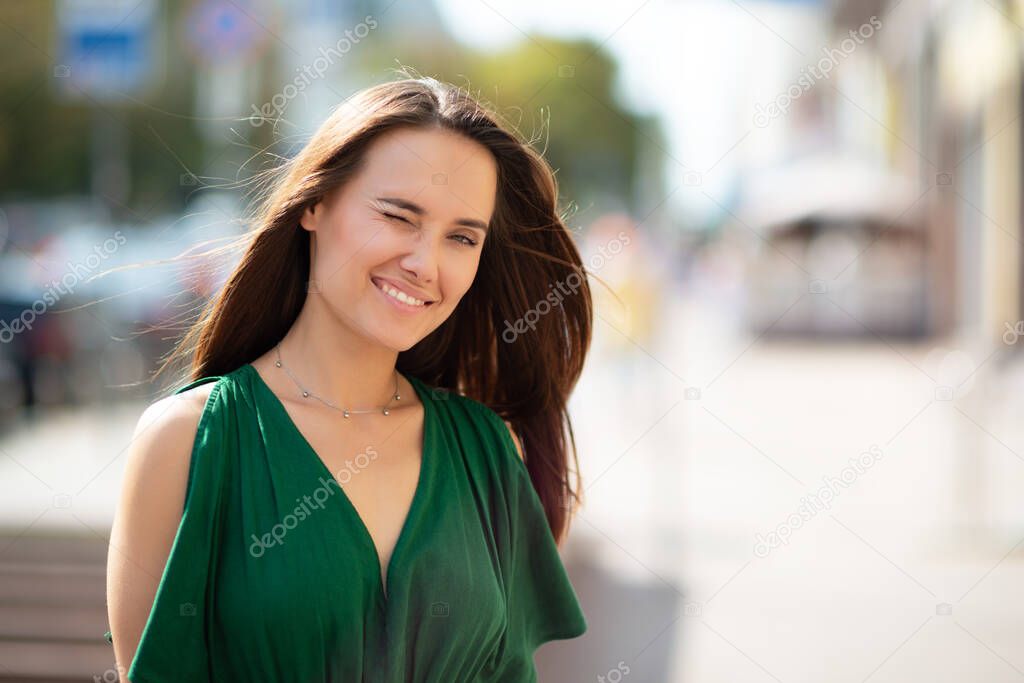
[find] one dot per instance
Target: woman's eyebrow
(419, 211)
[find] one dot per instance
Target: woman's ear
(311, 216)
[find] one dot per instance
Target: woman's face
(412, 221)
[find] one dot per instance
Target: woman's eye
(394, 217)
(468, 241)
(462, 239)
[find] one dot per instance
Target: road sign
(219, 31)
(105, 47)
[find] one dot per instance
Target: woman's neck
(337, 364)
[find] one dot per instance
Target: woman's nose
(422, 259)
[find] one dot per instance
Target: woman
(366, 476)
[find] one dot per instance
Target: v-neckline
(383, 580)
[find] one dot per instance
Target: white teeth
(401, 296)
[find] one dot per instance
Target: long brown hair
(528, 254)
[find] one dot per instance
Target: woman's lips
(402, 306)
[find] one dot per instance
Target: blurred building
(951, 76)
(901, 203)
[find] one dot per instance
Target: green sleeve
(542, 604)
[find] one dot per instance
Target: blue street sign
(105, 47)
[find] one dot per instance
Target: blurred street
(915, 571)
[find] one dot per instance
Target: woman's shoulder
(154, 498)
(166, 431)
(172, 423)
(160, 450)
(482, 413)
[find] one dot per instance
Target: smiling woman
(352, 412)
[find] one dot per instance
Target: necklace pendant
(345, 413)
(305, 394)
(385, 411)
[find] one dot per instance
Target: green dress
(272, 575)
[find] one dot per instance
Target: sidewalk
(912, 572)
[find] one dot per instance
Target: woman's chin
(387, 338)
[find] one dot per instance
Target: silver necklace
(306, 393)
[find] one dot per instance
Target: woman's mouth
(398, 298)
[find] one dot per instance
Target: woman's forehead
(438, 170)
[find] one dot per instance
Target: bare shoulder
(159, 455)
(170, 423)
(515, 440)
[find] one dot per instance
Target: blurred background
(800, 428)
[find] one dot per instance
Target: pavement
(804, 511)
